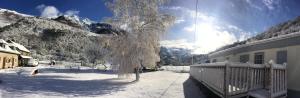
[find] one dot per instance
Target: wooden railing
(238, 79)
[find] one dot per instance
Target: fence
(242, 79)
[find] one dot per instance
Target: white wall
(293, 62)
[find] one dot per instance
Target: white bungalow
(281, 49)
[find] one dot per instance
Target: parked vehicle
(33, 62)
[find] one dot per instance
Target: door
(13, 63)
(3, 65)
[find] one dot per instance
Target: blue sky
(92, 9)
(219, 22)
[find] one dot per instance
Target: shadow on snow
(74, 70)
(53, 85)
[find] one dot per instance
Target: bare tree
(96, 52)
(143, 24)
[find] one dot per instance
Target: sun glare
(209, 37)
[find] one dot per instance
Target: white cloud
(189, 29)
(181, 43)
(200, 16)
(209, 34)
(253, 5)
(172, 8)
(53, 12)
(178, 21)
(48, 11)
(244, 35)
(269, 4)
(208, 37)
(40, 7)
(71, 12)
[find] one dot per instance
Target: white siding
(293, 61)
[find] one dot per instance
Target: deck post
(285, 77)
(266, 75)
(226, 80)
(249, 76)
(271, 79)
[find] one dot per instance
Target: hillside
(8, 17)
(288, 27)
(52, 39)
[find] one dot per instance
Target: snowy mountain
(86, 24)
(61, 38)
(175, 56)
(8, 17)
(101, 28)
(73, 21)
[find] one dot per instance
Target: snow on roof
(280, 37)
(25, 57)
(9, 50)
(3, 41)
(19, 46)
(6, 48)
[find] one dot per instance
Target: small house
(9, 56)
(24, 55)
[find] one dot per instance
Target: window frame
(244, 55)
(214, 60)
(281, 60)
(259, 60)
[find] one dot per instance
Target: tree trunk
(137, 74)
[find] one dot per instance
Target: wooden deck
(227, 79)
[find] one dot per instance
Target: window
(281, 57)
(214, 60)
(7, 60)
(259, 58)
(11, 47)
(227, 58)
(207, 61)
(1, 44)
(244, 58)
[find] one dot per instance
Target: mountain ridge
(52, 39)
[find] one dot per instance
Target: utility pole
(195, 30)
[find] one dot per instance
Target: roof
(7, 48)
(275, 42)
(3, 41)
(19, 46)
(25, 57)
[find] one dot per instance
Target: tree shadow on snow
(63, 70)
(55, 86)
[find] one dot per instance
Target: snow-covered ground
(63, 82)
(183, 69)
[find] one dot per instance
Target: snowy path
(60, 82)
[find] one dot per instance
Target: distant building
(9, 56)
(281, 49)
(24, 55)
(13, 54)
